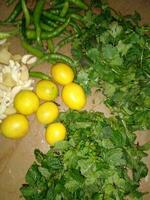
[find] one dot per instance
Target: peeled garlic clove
(3, 88)
(15, 90)
(8, 80)
(2, 108)
(24, 76)
(11, 63)
(5, 56)
(28, 59)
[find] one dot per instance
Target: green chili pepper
(46, 35)
(60, 19)
(32, 49)
(50, 45)
(75, 27)
(76, 17)
(23, 28)
(15, 22)
(36, 17)
(46, 27)
(58, 5)
(58, 57)
(53, 16)
(30, 34)
(5, 35)
(52, 58)
(65, 41)
(40, 75)
(14, 14)
(54, 11)
(79, 3)
(26, 13)
(57, 11)
(64, 9)
(48, 22)
(60, 29)
(74, 10)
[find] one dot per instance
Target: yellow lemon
(26, 102)
(73, 96)
(55, 132)
(15, 126)
(46, 90)
(47, 112)
(62, 73)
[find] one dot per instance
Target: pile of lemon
(27, 102)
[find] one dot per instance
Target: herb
(113, 53)
(93, 163)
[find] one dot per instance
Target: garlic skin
(14, 77)
(3, 41)
(28, 59)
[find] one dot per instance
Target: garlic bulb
(14, 77)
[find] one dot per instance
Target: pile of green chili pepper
(40, 26)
